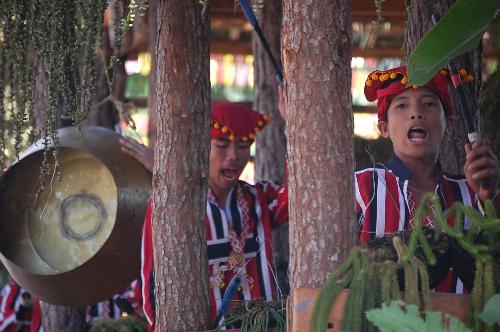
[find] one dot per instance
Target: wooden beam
(227, 47)
(365, 11)
(362, 10)
(377, 52)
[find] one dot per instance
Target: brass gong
(76, 241)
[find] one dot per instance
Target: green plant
(459, 31)
(481, 241)
(123, 324)
(257, 316)
(371, 274)
(491, 313)
(400, 317)
(370, 271)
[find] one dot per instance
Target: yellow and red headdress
(384, 85)
(233, 120)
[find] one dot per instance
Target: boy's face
(416, 123)
(227, 161)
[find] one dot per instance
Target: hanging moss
(61, 38)
(378, 9)
(16, 74)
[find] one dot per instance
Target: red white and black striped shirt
(15, 308)
(265, 205)
(384, 205)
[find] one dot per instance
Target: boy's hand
(481, 164)
(140, 152)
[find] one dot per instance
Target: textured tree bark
(181, 166)
(271, 143)
(270, 157)
(153, 32)
(317, 53)
(418, 22)
(62, 319)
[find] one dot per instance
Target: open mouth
(417, 134)
(230, 174)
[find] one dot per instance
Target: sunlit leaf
(491, 312)
(459, 31)
(399, 317)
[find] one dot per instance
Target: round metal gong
(80, 234)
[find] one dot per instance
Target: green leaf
(438, 321)
(459, 31)
(399, 317)
(491, 312)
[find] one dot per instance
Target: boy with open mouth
(239, 218)
(415, 120)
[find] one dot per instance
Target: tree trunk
(153, 32)
(270, 158)
(317, 60)
(181, 166)
(62, 319)
(418, 22)
(271, 143)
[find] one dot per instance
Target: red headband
(384, 85)
(236, 120)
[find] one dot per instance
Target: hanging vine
(58, 38)
(378, 9)
(16, 75)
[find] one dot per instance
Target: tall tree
(181, 166)
(57, 318)
(153, 32)
(317, 51)
(271, 143)
(270, 157)
(418, 22)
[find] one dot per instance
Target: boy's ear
(383, 129)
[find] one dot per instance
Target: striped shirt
(15, 308)
(264, 205)
(384, 206)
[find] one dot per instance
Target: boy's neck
(423, 169)
(220, 194)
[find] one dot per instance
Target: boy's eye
(430, 104)
(401, 106)
(222, 144)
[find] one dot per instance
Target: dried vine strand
(256, 316)
(378, 9)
